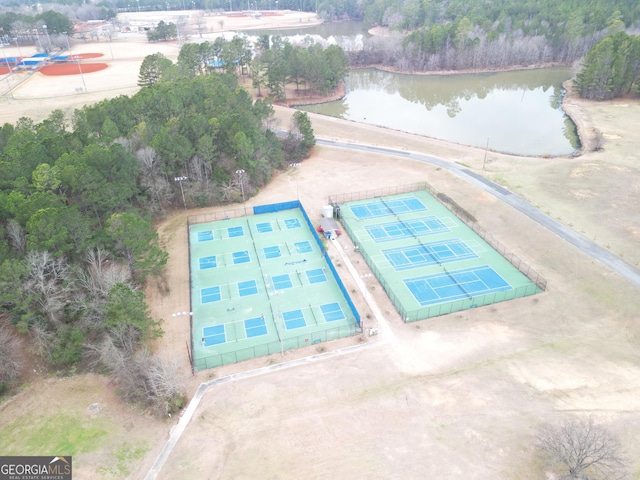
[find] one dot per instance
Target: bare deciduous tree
(129, 144)
(598, 140)
(200, 23)
(165, 385)
(95, 282)
(229, 190)
(141, 377)
(149, 160)
(581, 450)
(104, 274)
(41, 339)
(156, 184)
(16, 236)
(11, 360)
(48, 282)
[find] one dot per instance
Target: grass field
(62, 433)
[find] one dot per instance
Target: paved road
(596, 252)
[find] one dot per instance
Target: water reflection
(517, 112)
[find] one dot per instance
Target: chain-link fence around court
(538, 283)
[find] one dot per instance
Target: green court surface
(428, 261)
(262, 284)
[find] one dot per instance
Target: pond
(517, 112)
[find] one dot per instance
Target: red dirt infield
(72, 69)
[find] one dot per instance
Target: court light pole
(84, 85)
(485, 154)
(279, 317)
(18, 46)
(110, 49)
(240, 172)
(6, 64)
(296, 165)
(365, 277)
(10, 88)
(180, 180)
(275, 293)
(48, 38)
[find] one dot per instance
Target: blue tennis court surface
(292, 223)
(303, 247)
(272, 252)
(332, 312)
(316, 275)
(455, 285)
(415, 256)
(247, 288)
(280, 282)
(255, 327)
(213, 335)
(208, 262)
(210, 294)
(397, 230)
(388, 207)
(293, 319)
(235, 231)
(205, 236)
(264, 227)
(240, 257)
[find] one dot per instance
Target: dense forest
(77, 204)
(611, 69)
(473, 35)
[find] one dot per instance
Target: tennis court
(457, 284)
(262, 284)
(424, 254)
(428, 261)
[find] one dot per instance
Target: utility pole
(240, 172)
(180, 180)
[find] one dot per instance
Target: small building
(329, 227)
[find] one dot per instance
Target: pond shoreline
(570, 107)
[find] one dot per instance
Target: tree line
(272, 63)
(476, 35)
(611, 68)
(17, 29)
(77, 205)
